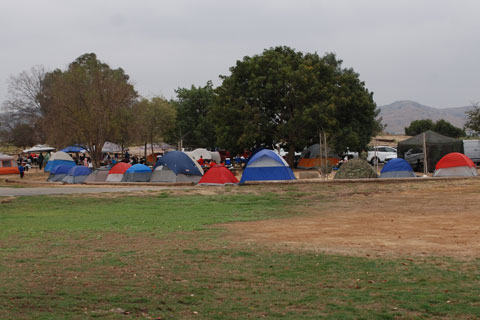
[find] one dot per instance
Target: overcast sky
(427, 51)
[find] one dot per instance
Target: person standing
(40, 161)
(21, 170)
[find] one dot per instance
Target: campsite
(239, 160)
(371, 249)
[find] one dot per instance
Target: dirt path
(424, 219)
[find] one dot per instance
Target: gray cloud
(420, 50)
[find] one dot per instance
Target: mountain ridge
(400, 114)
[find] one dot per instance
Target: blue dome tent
(137, 173)
(77, 174)
(266, 165)
(58, 173)
(176, 166)
(397, 168)
(59, 158)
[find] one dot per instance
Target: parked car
(415, 158)
(381, 154)
(471, 149)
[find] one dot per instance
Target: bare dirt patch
(440, 218)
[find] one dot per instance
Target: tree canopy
(154, 118)
(473, 118)
(441, 126)
(194, 124)
(287, 97)
(419, 126)
(82, 103)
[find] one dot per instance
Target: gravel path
(75, 190)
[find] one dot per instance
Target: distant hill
(400, 114)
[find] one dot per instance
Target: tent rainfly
(59, 158)
(137, 173)
(176, 166)
(77, 174)
(8, 165)
(218, 175)
(266, 165)
(397, 168)
(455, 165)
(58, 173)
(116, 173)
(99, 175)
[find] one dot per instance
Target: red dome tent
(218, 175)
(116, 173)
(455, 164)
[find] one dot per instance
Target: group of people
(111, 160)
(208, 163)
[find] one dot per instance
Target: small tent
(218, 175)
(455, 165)
(266, 165)
(58, 173)
(116, 173)
(59, 158)
(8, 165)
(356, 168)
(176, 166)
(200, 152)
(77, 174)
(310, 158)
(397, 168)
(99, 175)
(137, 173)
(437, 146)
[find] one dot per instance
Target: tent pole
(321, 153)
(326, 155)
(425, 164)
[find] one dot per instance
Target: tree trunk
(291, 155)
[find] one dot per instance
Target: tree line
(279, 97)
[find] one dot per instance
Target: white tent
(111, 147)
(200, 152)
(39, 148)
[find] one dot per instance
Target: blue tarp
(74, 149)
(179, 163)
(79, 171)
(52, 164)
(139, 168)
(266, 165)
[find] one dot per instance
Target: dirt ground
(420, 219)
(435, 217)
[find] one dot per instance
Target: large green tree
(447, 129)
(473, 118)
(154, 118)
(194, 124)
(287, 97)
(82, 103)
(419, 126)
(441, 126)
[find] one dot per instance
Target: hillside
(400, 114)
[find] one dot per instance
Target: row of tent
(454, 164)
(174, 166)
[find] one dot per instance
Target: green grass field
(162, 257)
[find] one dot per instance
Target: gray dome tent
(356, 169)
(437, 147)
